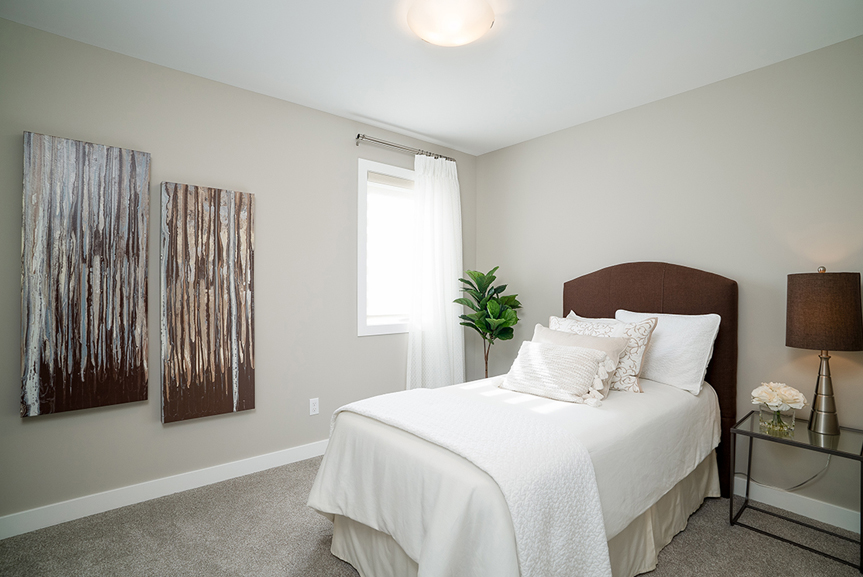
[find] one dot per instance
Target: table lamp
(824, 314)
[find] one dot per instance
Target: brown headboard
(658, 287)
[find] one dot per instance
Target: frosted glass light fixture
(450, 22)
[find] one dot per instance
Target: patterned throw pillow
(559, 372)
(625, 377)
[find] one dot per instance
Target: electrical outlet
(313, 406)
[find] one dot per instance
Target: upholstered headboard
(658, 287)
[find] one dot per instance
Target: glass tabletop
(848, 443)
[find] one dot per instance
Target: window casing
(385, 226)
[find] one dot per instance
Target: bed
(405, 505)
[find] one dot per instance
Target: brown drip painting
(208, 308)
(84, 275)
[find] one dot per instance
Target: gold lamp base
(823, 420)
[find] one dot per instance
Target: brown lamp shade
(824, 312)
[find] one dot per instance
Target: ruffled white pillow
(559, 372)
(613, 347)
(625, 377)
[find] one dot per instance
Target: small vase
(776, 423)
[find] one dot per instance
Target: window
(384, 234)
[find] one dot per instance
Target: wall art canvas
(84, 275)
(208, 306)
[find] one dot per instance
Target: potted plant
(493, 313)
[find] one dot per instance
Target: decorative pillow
(559, 372)
(625, 377)
(612, 347)
(680, 348)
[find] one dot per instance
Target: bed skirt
(633, 551)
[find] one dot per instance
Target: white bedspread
(543, 471)
(446, 514)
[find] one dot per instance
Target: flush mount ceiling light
(450, 22)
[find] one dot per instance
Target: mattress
(446, 514)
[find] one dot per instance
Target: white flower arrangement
(778, 397)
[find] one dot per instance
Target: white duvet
(543, 471)
(450, 517)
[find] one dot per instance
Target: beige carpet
(259, 526)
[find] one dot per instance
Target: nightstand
(847, 445)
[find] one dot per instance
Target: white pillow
(625, 377)
(613, 347)
(680, 348)
(559, 372)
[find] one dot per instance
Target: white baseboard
(26, 521)
(819, 510)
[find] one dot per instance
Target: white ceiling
(544, 66)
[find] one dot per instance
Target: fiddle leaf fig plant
(493, 313)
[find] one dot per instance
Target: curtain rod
(401, 147)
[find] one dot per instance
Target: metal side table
(847, 445)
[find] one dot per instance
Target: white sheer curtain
(435, 339)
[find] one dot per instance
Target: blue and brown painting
(207, 308)
(84, 275)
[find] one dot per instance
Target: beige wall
(752, 178)
(301, 164)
